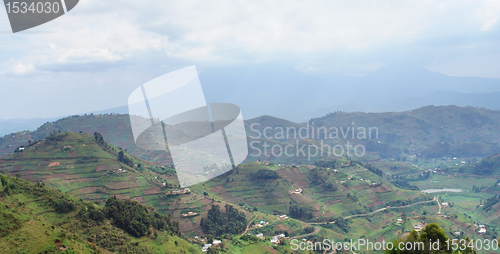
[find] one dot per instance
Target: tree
(4, 180)
(403, 217)
(219, 223)
(7, 191)
(433, 233)
(121, 155)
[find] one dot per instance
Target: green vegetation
(432, 240)
(219, 223)
(335, 198)
(37, 219)
(136, 219)
(266, 174)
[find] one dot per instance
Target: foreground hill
(39, 219)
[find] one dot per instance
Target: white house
(205, 248)
(274, 240)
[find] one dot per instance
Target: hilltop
(468, 132)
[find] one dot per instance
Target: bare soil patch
(154, 190)
(294, 175)
(99, 168)
(53, 164)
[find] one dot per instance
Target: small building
(400, 221)
(260, 236)
(418, 227)
(283, 217)
(444, 204)
(274, 240)
(205, 248)
(215, 242)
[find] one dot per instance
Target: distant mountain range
(298, 96)
(8, 126)
(466, 131)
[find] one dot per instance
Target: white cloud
(489, 14)
(15, 67)
(20, 68)
(217, 31)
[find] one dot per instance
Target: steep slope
(39, 219)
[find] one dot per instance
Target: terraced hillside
(84, 167)
(39, 219)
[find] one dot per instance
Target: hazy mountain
(8, 126)
(298, 96)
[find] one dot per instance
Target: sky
(94, 56)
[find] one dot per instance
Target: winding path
(316, 230)
(386, 208)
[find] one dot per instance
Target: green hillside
(39, 219)
(337, 196)
(469, 131)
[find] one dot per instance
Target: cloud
(104, 47)
(229, 31)
(489, 14)
(15, 67)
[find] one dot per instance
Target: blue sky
(93, 57)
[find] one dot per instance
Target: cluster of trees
(265, 174)
(403, 184)
(485, 167)
(125, 159)
(374, 169)
(298, 212)
(6, 188)
(99, 139)
(342, 224)
(136, 219)
(326, 163)
(431, 234)
(163, 170)
(63, 205)
(490, 202)
(220, 223)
